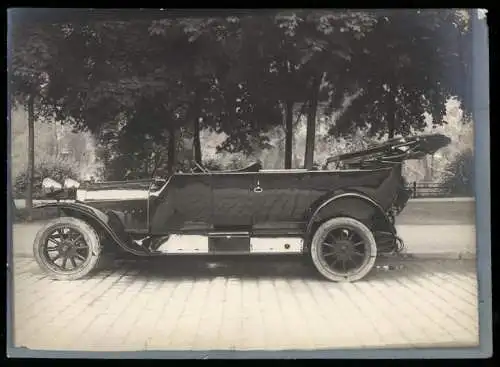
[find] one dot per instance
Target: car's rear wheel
(67, 248)
(343, 250)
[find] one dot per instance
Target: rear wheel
(67, 248)
(343, 250)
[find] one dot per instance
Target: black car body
(349, 210)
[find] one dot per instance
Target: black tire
(343, 250)
(80, 242)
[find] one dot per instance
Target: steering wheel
(200, 167)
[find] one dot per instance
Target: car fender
(98, 219)
(350, 204)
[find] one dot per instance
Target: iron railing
(430, 190)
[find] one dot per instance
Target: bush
(459, 175)
(227, 162)
(212, 165)
(56, 172)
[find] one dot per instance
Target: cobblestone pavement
(196, 304)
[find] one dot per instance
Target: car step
(230, 243)
(229, 234)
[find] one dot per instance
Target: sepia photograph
(197, 184)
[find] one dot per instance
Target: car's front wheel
(67, 248)
(343, 249)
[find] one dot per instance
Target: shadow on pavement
(270, 267)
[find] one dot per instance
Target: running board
(230, 243)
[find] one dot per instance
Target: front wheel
(343, 250)
(67, 248)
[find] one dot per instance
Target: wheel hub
(345, 249)
(67, 249)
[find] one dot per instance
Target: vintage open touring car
(338, 217)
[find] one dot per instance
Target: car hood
(393, 151)
(117, 190)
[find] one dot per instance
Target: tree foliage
(411, 63)
(143, 86)
(459, 177)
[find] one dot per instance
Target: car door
(279, 198)
(232, 200)
(184, 205)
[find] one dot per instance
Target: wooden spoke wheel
(67, 248)
(343, 250)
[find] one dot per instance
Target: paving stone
(246, 305)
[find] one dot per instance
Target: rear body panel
(288, 199)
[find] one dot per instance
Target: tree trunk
(31, 157)
(56, 142)
(427, 163)
(391, 114)
(465, 53)
(311, 123)
(171, 151)
(146, 167)
(196, 108)
(296, 159)
(288, 133)
(431, 167)
(391, 128)
(196, 140)
(13, 208)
